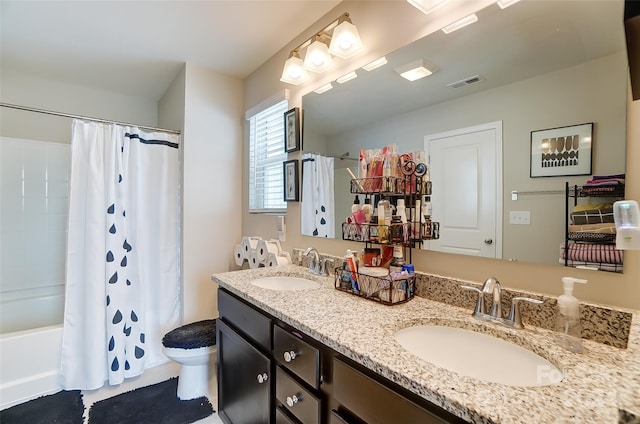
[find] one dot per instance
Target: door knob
(488, 241)
(262, 377)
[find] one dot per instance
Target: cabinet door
(244, 379)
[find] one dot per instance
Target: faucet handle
(479, 309)
(323, 266)
(514, 313)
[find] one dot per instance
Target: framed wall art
(291, 188)
(561, 151)
(292, 130)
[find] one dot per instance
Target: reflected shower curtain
(317, 208)
(122, 282)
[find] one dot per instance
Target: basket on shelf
(379, 289)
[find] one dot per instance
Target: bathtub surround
(123, 284)
(64, 407)
(600, 323)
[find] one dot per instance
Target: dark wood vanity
(270, 372)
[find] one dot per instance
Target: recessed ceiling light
(427, 6)
(468, 20)
(375, 64)
(416, 70)
(324, 88)
(503, 4)
(348, 77)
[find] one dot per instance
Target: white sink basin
(285, 283)
(478, 355)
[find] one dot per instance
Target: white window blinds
(266, 154)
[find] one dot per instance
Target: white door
(465, 166)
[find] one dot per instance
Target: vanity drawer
(374, 403)
(296, 399)
(245, 319)
(298, 356)
(282, 417)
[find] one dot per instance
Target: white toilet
(191, 346)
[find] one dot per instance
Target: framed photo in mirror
(290, 180)
(292, 130)
(561, 151)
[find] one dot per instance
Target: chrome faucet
(314, 263)
(493, 287)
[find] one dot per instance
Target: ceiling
(138, 47)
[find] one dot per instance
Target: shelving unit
(594, 245)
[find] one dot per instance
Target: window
(266, 154)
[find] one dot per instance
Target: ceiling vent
(466, 81)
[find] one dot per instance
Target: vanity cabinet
(269, 372)
(245, 367)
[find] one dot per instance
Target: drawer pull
(292, 400)
(262, 377)
(289, 356)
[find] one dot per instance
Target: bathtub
(30, 343)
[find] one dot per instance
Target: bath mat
(64, 407)
(155, 404)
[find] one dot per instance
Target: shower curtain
(317, 196)
(122, 277)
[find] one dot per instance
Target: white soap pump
(568, 328)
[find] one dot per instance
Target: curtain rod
(86, 118)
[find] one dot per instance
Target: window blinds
(266, 154)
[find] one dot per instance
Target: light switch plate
(520, 217)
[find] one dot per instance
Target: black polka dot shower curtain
(317, 208)
(122, 280)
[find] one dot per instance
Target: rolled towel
(253, 260)
(264, 248)
(249, 244)
(276, 260)
(238, 255)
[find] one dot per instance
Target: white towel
(318, 217)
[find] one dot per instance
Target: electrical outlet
(520, 217)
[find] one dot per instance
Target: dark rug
(155, 404)
(64, 407)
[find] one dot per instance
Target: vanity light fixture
(348, 77)
(294, 72)
(468, 20)
(375, 64)
(415, 70)
(345, 41)
(318, 58)
(340, 38)
(503, 4)
(427, 6)
(324, 88)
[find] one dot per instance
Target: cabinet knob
(289, 356)
(488, 241)
(262, 377)
(292, 400)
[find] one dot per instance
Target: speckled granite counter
(595, 385)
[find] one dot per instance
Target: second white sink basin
(285, 283)
(478, 355)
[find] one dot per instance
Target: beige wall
(377, 23)
(211, 174)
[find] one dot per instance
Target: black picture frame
(291, 188)
(562, 151)
(292, 130)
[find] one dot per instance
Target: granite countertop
(595, 384)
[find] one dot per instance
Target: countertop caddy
(601, 385)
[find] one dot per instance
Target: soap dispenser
(568, 328)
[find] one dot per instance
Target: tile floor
(152, 376)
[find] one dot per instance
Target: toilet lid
(192, 336)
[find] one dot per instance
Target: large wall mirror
(540, 65)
